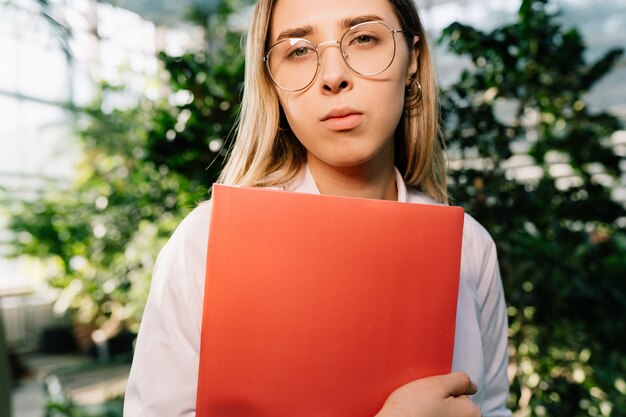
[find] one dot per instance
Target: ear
(413, 59)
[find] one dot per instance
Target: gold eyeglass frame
(315, 47)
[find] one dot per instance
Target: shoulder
(479, 263)
(184, 255)
(193, 229)
(197, 220)
(475, 236)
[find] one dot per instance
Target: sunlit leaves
(537, 172)
(147, 162)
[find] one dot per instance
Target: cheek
(296, 111)
(389, 105)
(389, 93)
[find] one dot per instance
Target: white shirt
(163, 377)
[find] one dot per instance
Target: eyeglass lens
(368, 49)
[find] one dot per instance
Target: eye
(364, 39)
(299, 52)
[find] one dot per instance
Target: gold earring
(413, 92)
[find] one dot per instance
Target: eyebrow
(299, 32)
(352, 21)
(306, 30)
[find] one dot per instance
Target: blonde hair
(266, 152)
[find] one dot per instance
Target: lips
(339, 113)
(342, 119)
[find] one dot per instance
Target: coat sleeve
(164, 372)
(493, 325)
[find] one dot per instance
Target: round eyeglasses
(367, 48)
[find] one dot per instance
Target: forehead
(326, 16)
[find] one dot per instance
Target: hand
(437, 396)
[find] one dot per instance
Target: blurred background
(115, 118)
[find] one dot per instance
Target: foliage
(209, 83)
(113, 407)
(561, 238)
(146, 164)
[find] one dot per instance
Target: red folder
(322, 306)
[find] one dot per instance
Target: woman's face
(342, 118)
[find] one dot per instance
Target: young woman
(339, 99)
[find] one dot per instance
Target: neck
(361, 181)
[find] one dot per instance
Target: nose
(335, 76)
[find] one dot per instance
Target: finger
(469, 408)
(459, 383)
